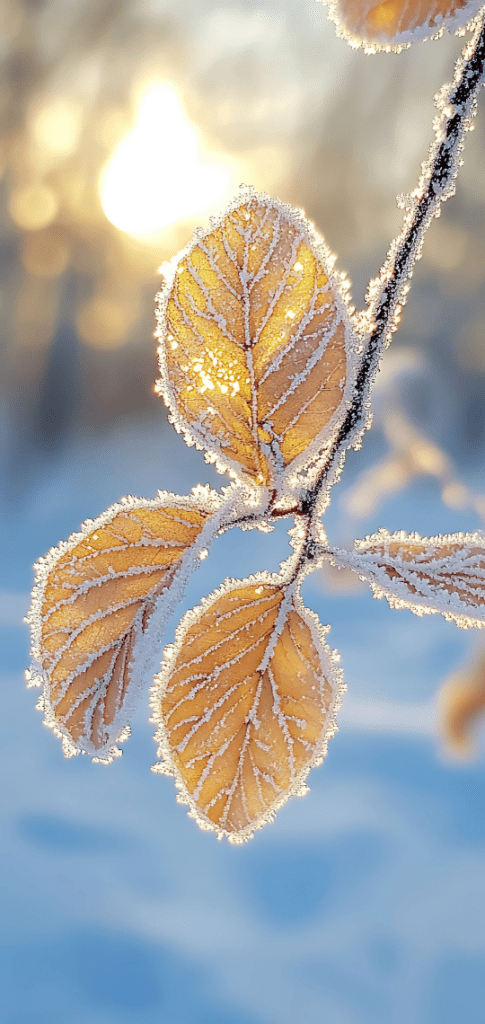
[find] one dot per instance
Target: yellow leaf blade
(92, 603)
(257, 343)
(245, 704)
(425, 574)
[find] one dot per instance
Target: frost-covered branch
(387, 294)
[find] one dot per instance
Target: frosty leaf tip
(428, 575)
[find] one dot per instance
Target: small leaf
(256, 339)
(92, 602)
(394, 24)
(426, 574)
(245, 704)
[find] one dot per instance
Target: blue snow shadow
(62, 836)
(457, 991)
(450, 797)
(291, 884)
(116, 978)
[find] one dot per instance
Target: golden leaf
(394, 22)
(92, 602)
(255, 339)
(245, 704)
(426, 574)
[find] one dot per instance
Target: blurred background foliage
(250, 90)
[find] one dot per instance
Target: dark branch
(387, 294)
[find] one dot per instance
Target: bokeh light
(33, 206)
(57, 126)
(104, 321)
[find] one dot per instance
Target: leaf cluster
(265, 366)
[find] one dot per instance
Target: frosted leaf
(426, 574)
(245, 703)
(393, 24)
(92, 604)
(257, 342)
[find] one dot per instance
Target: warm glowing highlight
(158, 174)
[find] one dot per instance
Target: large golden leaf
(245, 704)
(255, 341)
(397, 22)
(426, 574)
(92, 602)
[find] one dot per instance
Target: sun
(159, 174)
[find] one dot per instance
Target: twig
(387, 294)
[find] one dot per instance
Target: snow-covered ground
(362, 904)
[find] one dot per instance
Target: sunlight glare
(157, 175)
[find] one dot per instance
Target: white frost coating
(302, 472)
(387, 294)
(289, 580)
(432, 28)
(444, 574)
(143, 652)
(421, 208)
